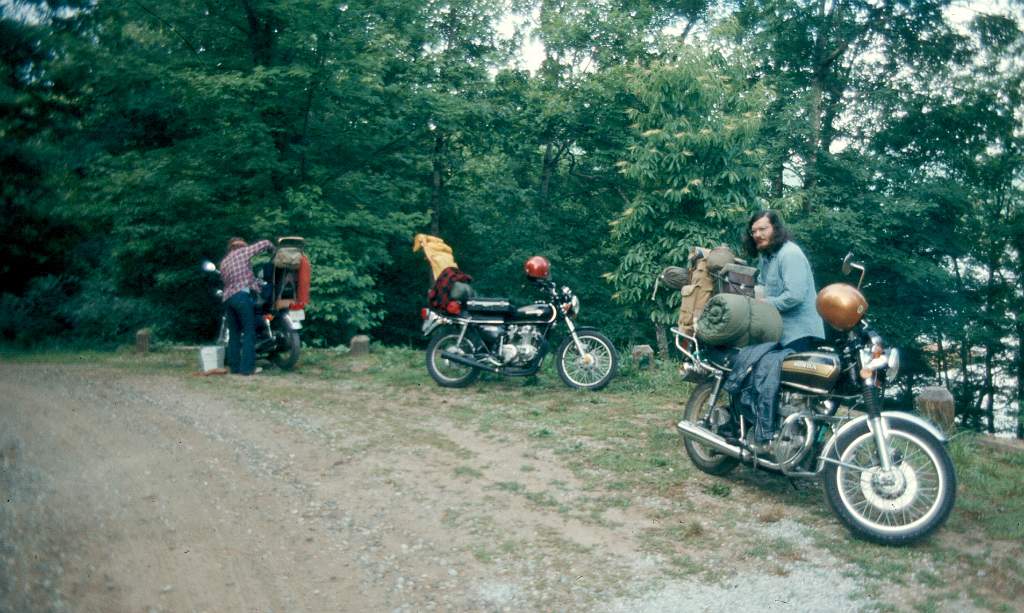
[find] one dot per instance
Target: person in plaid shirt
(236, 273)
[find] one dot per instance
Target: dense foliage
(137, 137)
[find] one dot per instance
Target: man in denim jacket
(787, 278)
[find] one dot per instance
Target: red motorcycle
(280, 305)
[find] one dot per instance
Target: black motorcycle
(491, 334)
(277, 321)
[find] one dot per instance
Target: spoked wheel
(898, 506)
(592, 369)
(448, 373)
(698, 411)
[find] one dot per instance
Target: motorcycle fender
(889, 418)
(433, 321)
(292, 325)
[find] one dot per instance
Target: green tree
(696, 161)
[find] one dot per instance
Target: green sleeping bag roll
(737, 321)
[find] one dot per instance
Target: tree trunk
(990, 393)
(990, 307)
(260, 35)
(545, 179)
(662, 335)
(965, 394)
(437, 186)
(313, 86)
(1020, 378)
(814, 142)
(943, 365)
(777, 175)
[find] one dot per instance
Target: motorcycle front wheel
(698, 411)
(286, 356)
(895, 507)
(448, 373)
(592, 369)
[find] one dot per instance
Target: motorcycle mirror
(847, 269)
(209, 266)
(849, 266)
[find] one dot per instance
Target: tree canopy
(138, 136)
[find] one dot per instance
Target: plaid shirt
(236, 270)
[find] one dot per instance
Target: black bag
(737, 279)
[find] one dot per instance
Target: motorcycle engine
(521, 345)
(791, 402)
(795, 434)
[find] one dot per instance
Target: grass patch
(544, 499)
(718, 489)
(991, 490)
(510, 486)
(468, 471)
(776, 548)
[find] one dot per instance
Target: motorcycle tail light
(423, 313)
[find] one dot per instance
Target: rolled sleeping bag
(737, 321)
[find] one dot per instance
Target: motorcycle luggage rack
(694, 356)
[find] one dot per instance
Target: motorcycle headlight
(894, 365)
(572, 307)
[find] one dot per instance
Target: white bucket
(211, 357)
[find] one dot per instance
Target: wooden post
(142, 340)
(359, 346)
(938, 405)
(643, 356)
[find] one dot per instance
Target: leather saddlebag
(737, 279)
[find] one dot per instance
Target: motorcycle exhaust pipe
(705, 437)
(461, 359)
(708, 438)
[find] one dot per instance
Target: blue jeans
(241, 320)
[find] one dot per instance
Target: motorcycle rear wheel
(289, 346)
(905, 505)
(594, 368)
(447, 373)
(698, 412)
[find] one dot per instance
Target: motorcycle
(491, 334)
(279, 316)
(886, 474)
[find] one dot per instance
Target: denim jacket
(789, 287)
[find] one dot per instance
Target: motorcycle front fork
(575, 338)
(873, 400)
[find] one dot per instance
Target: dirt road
(139, 491)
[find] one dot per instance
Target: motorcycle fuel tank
(811, 371)
(534, 313)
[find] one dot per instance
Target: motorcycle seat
(721, 357)
(490, 305)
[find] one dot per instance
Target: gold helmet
(841, 305)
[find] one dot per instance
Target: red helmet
(537, 267)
